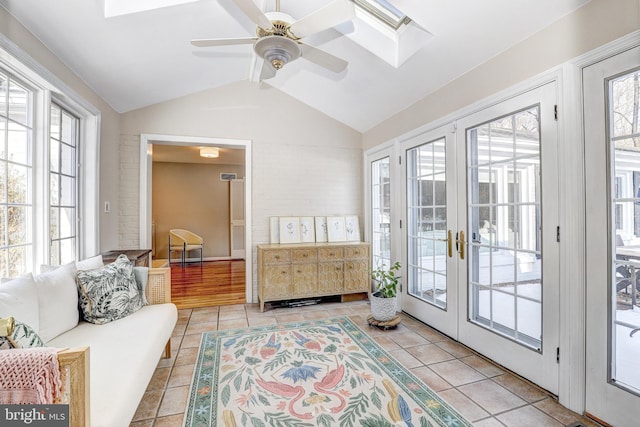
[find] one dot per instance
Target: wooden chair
(184, 241)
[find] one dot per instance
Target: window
(385, 12)
(62, 185)
(381, 212)
(16, 184)
(47, 132)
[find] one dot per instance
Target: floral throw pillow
(109, 293)
(23, 336)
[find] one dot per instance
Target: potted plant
(383, 300)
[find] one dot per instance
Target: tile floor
(482, 392)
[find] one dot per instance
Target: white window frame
(47, 88)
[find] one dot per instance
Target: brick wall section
(129, 200)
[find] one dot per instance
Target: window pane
(427, 223)
(19, 105)
(67, 191)
(67, 222)
(54, 155)
(19, 225)
(18, 144)
(504, 220)
(624, 118)
(68, 163)
(19, 184)
(68, 129)
(54, 123)
(54, 223)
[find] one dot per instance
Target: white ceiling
(140, 59)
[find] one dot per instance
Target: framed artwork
(307, 229)
(321, 229)
(352, 228)
(336, 231)
(274, 229)
(289, 230)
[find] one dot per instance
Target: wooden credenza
(312, 270)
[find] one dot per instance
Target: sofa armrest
(158, 289)
(74, 363)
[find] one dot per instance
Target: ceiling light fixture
(277, 50)
(209, 152)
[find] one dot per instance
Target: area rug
(314, 373)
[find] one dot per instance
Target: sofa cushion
(109, 293)
(19, 298)
(23, 335)
(58, 301)
(123, 356)
(90, 263)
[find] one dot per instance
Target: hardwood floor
(215, 283)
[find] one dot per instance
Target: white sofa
(109, 366)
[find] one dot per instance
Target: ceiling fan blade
(336, 12)
(323, 59)
(254, 13)
(223, 42)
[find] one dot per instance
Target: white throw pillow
(90, 263)
(58, 298)
(19, 298)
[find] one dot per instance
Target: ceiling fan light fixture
(277, 50)
(209, 152)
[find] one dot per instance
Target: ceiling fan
(278, 35)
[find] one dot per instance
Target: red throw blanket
(30, 376)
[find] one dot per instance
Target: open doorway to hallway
(179, 188)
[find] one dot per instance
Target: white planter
(382, 309)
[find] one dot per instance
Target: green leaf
(237, 383)
(425, 422)
(225, 395)
(325, 420)
(330, 349)
(257, 422)
(375, 399)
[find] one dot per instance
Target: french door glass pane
(505, 276)
(381, 212)
(624, 134)
(427, 223)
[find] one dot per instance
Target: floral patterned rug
(314, 373)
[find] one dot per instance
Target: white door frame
(604, 399)
(234, 221)
(146, 161)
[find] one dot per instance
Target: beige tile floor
(481, 391)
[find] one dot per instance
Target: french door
(480, 249)
(430, 293)
(611, 91)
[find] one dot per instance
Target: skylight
(385, 12)
(125, 7)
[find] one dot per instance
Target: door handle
(449, 241)
(460, 243)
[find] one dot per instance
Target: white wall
(304, 162)
(593, 25)
(110, 123)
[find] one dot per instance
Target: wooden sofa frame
(74, 362)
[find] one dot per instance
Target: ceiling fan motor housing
(277, 50)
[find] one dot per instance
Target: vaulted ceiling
(139, 59)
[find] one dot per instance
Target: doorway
(147, 143)
(611, 91)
